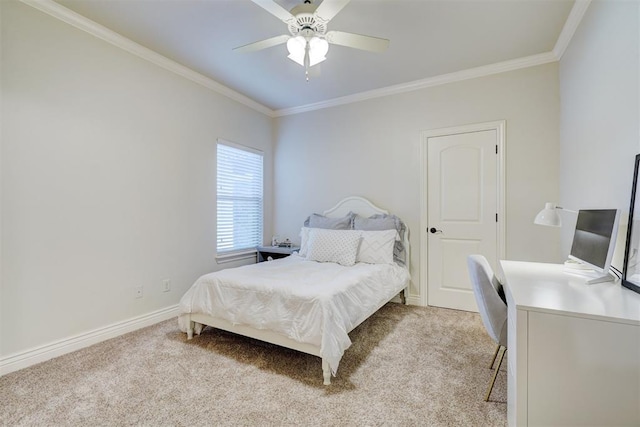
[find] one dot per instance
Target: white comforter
(307, 301)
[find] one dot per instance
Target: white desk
(574, 349)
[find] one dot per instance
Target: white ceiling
(429, 38)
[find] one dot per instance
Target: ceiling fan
(308, 39)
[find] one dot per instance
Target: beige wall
(600, 126)
(371, 149)
(108, 180)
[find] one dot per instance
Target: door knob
(433, 230)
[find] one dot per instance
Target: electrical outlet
(166, 285)
(137, 292)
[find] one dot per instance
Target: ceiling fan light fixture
(318, 49)
(297, 47)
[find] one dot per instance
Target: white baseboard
(39, 354)
(414, 300)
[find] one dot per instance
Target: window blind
(239, 198)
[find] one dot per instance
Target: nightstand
(275, 252)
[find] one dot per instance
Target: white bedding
(307, 301)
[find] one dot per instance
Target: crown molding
(472, 73)
(60, 12)
(570, 26)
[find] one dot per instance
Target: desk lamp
(549, 215)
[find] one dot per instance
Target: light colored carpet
(408, 366)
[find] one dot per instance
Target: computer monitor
(594, 240)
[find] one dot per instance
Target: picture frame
(631, 265)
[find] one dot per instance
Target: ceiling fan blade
(263, 44)
(330, 8)
(357, 41)
(276, 10)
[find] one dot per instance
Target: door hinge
(496, 148)
(496, 217)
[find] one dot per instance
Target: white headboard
(363, 207)
(355, 204)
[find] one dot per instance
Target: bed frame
(358, 205)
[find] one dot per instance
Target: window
(239, 197)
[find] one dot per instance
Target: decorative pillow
(320, 221)
(385, 222)
(377, 246)
(339, 246)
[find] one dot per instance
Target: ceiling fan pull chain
(306, 60)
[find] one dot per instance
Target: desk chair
(492, 306)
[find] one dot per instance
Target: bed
(299, 303)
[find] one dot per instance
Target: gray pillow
(385, 222)
(321, 221)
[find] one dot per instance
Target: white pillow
(339, 246)
(376, 247)
(304, 238)
(304, 241)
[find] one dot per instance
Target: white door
(463, 183)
